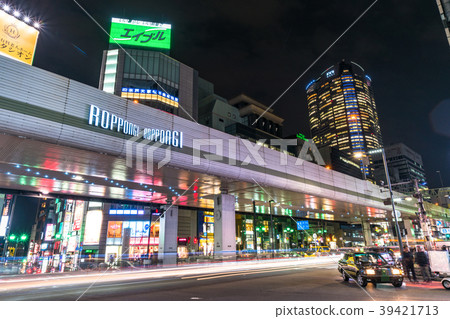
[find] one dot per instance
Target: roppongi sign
(110, 121)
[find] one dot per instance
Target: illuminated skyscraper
(444, 11)
(342, 111)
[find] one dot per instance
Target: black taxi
(369, 267)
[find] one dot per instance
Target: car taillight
(38, 271)
(28, 271)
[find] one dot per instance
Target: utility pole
(272, 239)
(149, 233)
(388, 179)
(423, 216)
(255, 234)
(397, 228)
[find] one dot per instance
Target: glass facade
(256, 231)
(148, 77)
(342, 112)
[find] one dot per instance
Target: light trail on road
(183, 272)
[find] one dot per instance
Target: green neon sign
(140, 33)
(302, 137)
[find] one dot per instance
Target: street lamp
(388, 179)
(17, 240)
(271, 229)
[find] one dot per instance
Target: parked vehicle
(446, 283)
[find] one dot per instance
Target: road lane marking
(244, 273)
(241, 271)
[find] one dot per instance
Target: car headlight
(396, 271)
(370, 271)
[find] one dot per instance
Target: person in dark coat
(408, 264)
(424, 264)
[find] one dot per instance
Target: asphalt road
(276, 282)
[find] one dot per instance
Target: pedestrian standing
(408, 264)
(424, 264)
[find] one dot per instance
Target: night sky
(260, 47)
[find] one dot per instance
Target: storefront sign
(17, 39)
(115, 229)
(140, 33)
(445, 231)
(147, 94)
(49, 231)
(72, 246)
(3, 225)
(144, 241)
(78, 216)
(93, 226)
(6, 207)
(112, 122)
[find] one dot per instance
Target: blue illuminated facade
(342, 112)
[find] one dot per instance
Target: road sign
(445, 231)
(438, 223)
(147, 226)
(399, 214)
(303, 225)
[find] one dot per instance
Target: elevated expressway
(47, 147)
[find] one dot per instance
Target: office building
(444, 11)
(342, 111)
(145, 73)
(404, 165)
(237, 115)
(341, 162)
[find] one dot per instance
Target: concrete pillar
(224, 227)
(367, 233)
(125, 244)
(168, 228)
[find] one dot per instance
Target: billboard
(49, 231)
(140, 33)
(78, 216)
(17, 39)
(93, 227)
(3, 225)
(114, 229)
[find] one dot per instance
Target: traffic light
(23, 237)
(12, 237)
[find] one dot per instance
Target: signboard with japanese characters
(78, 217)
(140, 33)
(17, 39)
